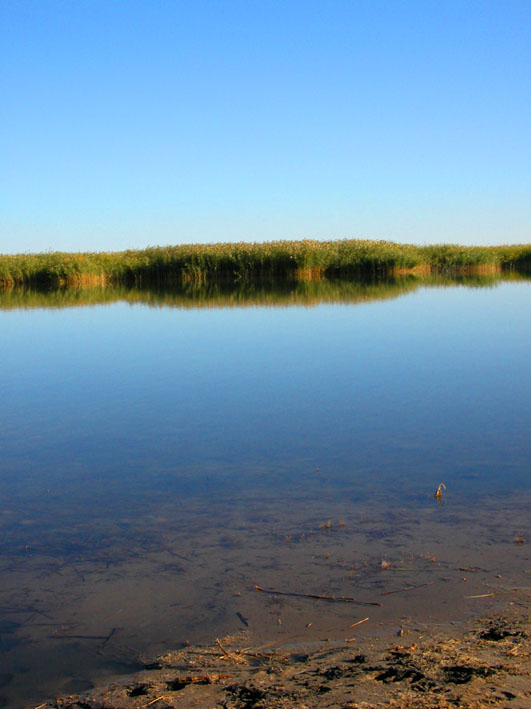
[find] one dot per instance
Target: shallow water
(163, 452)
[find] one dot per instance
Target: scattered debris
(442, 669)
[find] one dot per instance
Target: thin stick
(231, 655)
(337, 599)
(153, 701)
(225, 652)
(359, 622)
(407, 588)
(482, 595)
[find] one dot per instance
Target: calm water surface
(159, 460)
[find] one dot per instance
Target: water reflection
(162, 455)
(218, 294)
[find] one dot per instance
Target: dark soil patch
(461, 674)
(399, 674)
(245, 697)
(139, 691)
(498, 632)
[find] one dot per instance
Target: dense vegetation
(199, 262)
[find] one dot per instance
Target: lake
(163, 452)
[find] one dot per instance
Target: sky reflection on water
(433, 383)
(154, 459)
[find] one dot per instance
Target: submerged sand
(434, 609)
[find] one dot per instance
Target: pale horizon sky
(126, 124)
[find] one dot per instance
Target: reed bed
(279, 259)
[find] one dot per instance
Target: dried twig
(364, 620)
(319, 597)
(230, 655)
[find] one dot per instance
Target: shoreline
(472, 664)
(411, 581)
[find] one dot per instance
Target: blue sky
(128, 123)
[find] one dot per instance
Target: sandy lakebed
(418, 618)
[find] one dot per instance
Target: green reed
(198, 262)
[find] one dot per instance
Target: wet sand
(486, 662)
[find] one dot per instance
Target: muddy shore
(483, 662)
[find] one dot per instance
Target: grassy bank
(302, 259)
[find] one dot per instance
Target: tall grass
(198, 262)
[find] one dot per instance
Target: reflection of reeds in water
(201, 262)
(223, 293)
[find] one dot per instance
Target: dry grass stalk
(359, 622)
(153, 701)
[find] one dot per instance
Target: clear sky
(125, 123)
